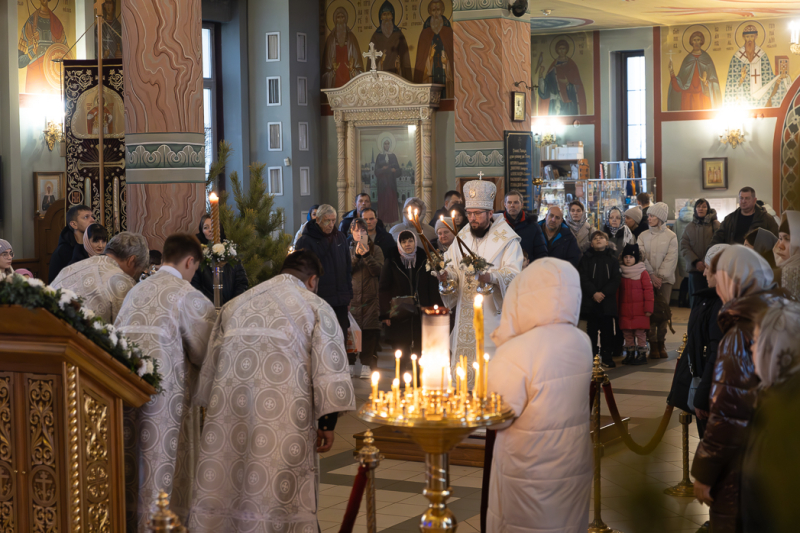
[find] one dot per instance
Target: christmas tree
(254, 226)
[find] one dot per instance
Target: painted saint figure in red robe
(435, 50)
(342, 56)
(696, 85)
(41, 30)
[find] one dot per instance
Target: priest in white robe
(171, 321)
(274, 381)
(103, 281)
(490, 237)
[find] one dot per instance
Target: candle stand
(437, 420)
(218, 284)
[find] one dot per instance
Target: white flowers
(146, 368)
(123, 343)
(99, 326)
(87, 313)
(64, 300)
(33, 282)
(112, 337)
(218, 248)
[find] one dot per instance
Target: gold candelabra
(53, 133)
(544, 140)
(734, 137)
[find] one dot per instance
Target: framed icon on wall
(518, 110)
(49, 187)
(715, 173)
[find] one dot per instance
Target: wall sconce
(732, 125)
(524, 84)
(53, 133)
(794, 30)
(546, 137)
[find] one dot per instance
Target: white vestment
(100, 282)
(276, 364)
(501, 247)
(171, 321)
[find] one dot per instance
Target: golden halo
(423, 10)
(348, 6)
(762, 33)
(386, 136)
(398, 12)
(562, 37)
(688, 33)
(52, 70)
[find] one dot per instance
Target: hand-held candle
(213, 199)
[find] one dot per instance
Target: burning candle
(485, 375)
(476, 391)
(376, 376)
(414, 370)
(396, 393)
(397, 355)
(213, 199)
(477, 324)
(407, 380)
(462, 389)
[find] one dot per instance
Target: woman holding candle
(234, 278)
(405, 286)
(541, 472)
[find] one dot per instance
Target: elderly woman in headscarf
(618, 233)
(744, 283)
(405, 286)
(771, 468)
(787, 252)
(413, 203)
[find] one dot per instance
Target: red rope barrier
(626, 438)
(354, 503)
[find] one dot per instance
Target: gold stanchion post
(599, 377)
(164, 520)
(370, 457)
(685, 488)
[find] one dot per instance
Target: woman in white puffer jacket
(658, 247)
(542, 467)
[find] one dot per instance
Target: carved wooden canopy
(377, 98)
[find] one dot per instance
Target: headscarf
(409, 260)
(708, 209)
(777, 355)
(713, 251)
(87, 242)
(740, 272)
(575, 226)
(764, 240)
(308, 216)
(611, 229)
(790, 220)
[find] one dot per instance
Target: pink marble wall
(490, 55)
(158, 210)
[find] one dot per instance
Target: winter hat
(713, 251)
(4, 246)
(631, 249)
(660, 210)
(441, 225)
(635, 213)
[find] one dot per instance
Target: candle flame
(441, 217)
(413, 357)
(213, 197)
(395, 382)
(416, 211)
(452, 214)
(435, 307)
(478, 300)
(376, 376)
(398, 354)
(486, 357)
(407, 378)
(475, 365)
(460, 372)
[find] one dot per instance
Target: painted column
(427, 178)
(492, 50)
(353, 174)
(164, 132)
(341, 178)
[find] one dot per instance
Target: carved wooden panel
(95, 418)
(44, 455)
(8, 491)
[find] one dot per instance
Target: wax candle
(375, 378)
(397, 355)
(476, 391)
(462, 389)
(213, 199)
(485, 375)
(436, 334)
(396, 393)
(477, 324)
(414, 370)
(407, 381)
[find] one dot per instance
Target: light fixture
(53, 133)
(794, 30)
(547, 135)
(53, 121)
(732, 126)
(524, 84)
(546, 12)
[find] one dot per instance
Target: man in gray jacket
(746, 218)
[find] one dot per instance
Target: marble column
(164, 132)
(492, 50)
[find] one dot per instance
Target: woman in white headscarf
(771, 468)
(743, 281)
(787, 252)
(541, 471)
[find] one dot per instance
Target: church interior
(322, 101)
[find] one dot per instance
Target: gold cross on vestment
(373, 55)
(500, 236)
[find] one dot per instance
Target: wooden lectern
(61, 398)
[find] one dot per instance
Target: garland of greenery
(33, 293)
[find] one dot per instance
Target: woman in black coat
(234, 278)
(404, 274)
(600, 279)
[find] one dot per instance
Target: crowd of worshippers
(273, 372)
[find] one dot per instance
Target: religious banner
(562, 70)
(45, 32)
(415, 40)
(727, 64)
(83, 121)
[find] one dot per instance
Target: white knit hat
(635, 213)
(4, 246)
(440, 224)
(479, 194)
(660, 210)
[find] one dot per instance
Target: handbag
(403, 308)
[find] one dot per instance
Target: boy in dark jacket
(600, 278)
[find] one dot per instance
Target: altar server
(171, 321)
(103, 281)
(541, 473)
(490, 237)
(274, 381)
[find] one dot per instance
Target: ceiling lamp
(794, 28)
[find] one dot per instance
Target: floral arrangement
(475, 264)
(221, 252)
(436, 262)
(33, 293)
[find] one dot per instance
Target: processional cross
(480, 175)
(373, 55)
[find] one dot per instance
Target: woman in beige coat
(696, 241)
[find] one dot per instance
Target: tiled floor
(633, 499)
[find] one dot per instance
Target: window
(273, 90)
(302, 56)
(274, 134)
(273, 46)
(302, 131)
(633, 106)
(209, 95)
(305, 181)
(275, 181)
(302, 90)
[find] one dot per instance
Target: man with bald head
(561, 243)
